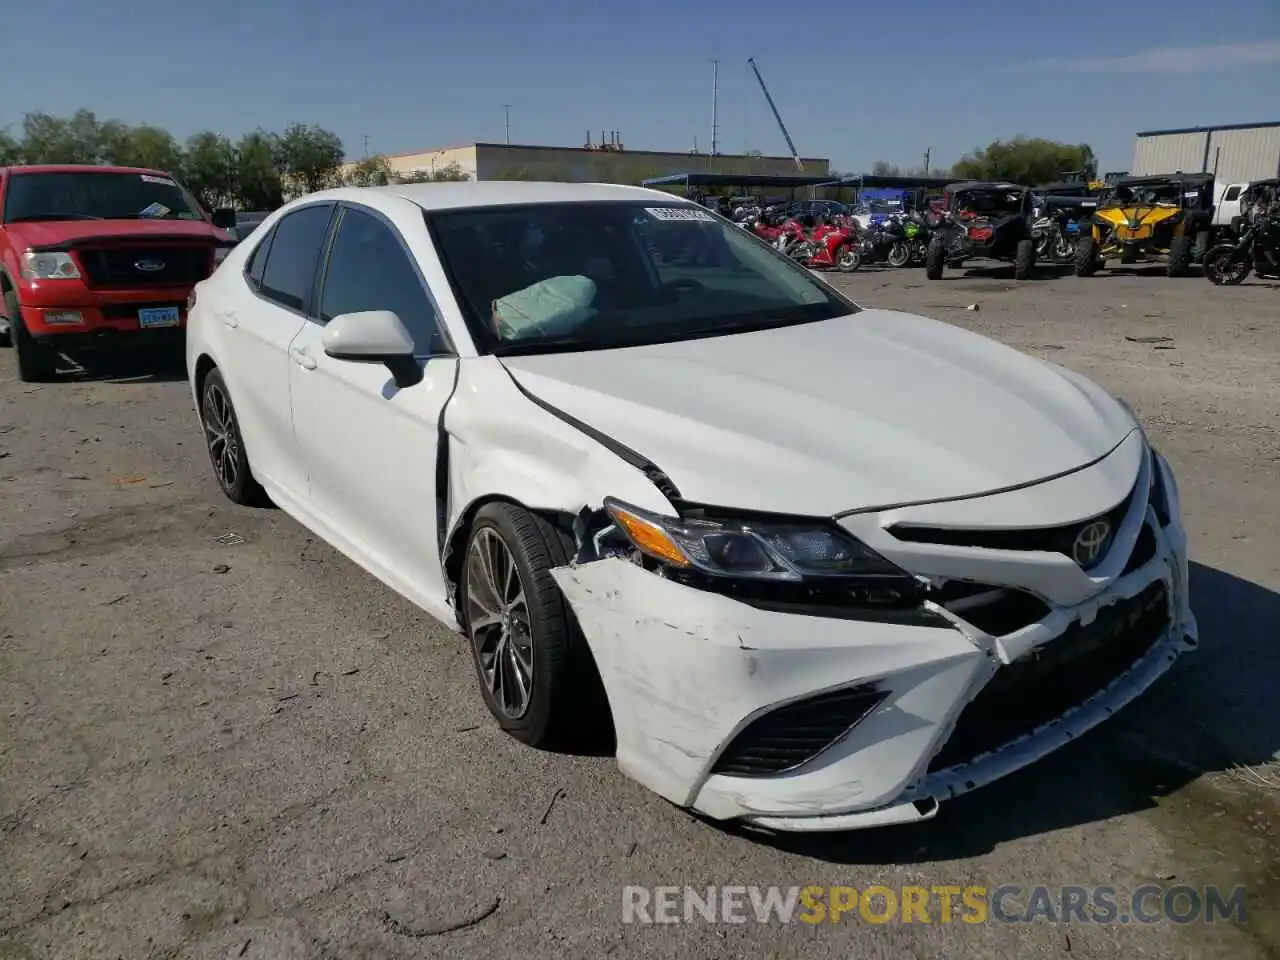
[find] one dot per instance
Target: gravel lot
(252, 749)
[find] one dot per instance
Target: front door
(371, 447)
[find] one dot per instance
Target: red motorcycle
(828, 245)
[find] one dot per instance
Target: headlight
(750, 550)
(48, 266)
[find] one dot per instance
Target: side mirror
(374, 336)
(224, 218)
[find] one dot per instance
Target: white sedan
(821, 566)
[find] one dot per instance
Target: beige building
(496, 161)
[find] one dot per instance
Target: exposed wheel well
(456, 545)
(203, 366)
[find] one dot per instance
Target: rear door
(261, 325)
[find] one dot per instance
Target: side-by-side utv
(1148, 220)
(983, 220)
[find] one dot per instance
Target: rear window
(97, 195)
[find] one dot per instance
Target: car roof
(447, 195)
(984, 185)
(83, 168)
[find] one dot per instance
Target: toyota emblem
(1091, 542)
(149, 266)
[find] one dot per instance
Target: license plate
(158, 317)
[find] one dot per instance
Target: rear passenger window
(295, 250)
(258, 261)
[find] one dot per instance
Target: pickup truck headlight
(749, 550)
(49, 266)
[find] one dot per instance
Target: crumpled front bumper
(687, 670)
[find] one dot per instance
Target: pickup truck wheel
(226, 445)
(37, 362)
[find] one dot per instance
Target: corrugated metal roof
(1228, 126)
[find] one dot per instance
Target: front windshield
(588, 276)
(97, 195)
(987, 203)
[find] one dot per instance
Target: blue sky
(853, 86)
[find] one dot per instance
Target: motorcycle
(1054, 237)
(828, 245)
(1255, 250)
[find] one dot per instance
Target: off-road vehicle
(1160, 219)
(983, 219)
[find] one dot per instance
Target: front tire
(1224, 267)
(524, 643)
(1086, 257)
(899, 254)
(848, 258)
(37, 362)
(935, 258)
(1024, 259)
(1179, 257)
(225, 444)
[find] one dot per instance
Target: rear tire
(1179, 257)
(899, 254)
(1024, 260)
(1086, 257)
(37, 362)
(225, 443)
(563, 697)
(935, 258)
(1224, 267)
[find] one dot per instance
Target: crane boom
(795, 155)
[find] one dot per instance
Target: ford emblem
(149, 266)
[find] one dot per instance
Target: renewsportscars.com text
(972, 904)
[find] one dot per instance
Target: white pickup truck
(1226, 204)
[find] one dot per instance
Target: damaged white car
(828, 565)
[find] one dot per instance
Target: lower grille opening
(1045, 684)
(792, 735)
(994, 610)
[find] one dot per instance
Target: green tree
(310, 157)
(370, 172)
(210, 170)
(1026, 160)
(143, 146)
(49, 139)
(10, 149)
(257, 183)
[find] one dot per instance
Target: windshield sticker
(669, 214)
(153, 210)
(147, 178)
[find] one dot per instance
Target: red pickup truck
(91, 251)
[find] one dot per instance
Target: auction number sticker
(680, 213)
(147, 178)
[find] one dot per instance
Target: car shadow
(1004, 271)
(151, 364)
(1211, 713)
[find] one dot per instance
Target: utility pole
(715, 105)
(506, 114)
(366, 146)
(927, 152)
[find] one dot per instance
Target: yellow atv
(1164, 219)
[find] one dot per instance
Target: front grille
(792, 735)
(118, 266)
(992, 609)
(1043, 539)
(1029, 693)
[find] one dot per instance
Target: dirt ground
(218, 738)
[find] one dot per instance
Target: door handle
(303, 359)
(229, 317)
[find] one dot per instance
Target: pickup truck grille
(119, 266)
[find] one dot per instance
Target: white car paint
(878, 419)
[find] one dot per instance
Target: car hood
(50, 233)
(872, 409)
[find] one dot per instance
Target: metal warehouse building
(1234, 153)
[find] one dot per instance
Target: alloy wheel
(498, 620)
(221, 436)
